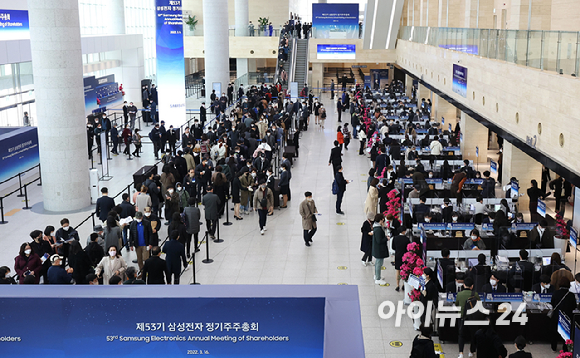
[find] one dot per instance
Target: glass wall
(16, 94)
(555, 51)
(140, 19)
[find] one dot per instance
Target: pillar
(60, 103)
(116, 15)
(408, 86)
(242, 20)
(423, 92)
(442, 108)
(216, 44)
(317, 79)
(516, 163)
(474, 136)
(252, 65)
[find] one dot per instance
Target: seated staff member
(543, 286)
(448, 266)
(474, 242)
(493, 285)
(457, 285)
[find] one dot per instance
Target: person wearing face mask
(155, 223)
(400, 243)
(474, 242)
(27, 263)
(171, 204)
(57, 275)
(284, 185)
(380, 248)
(263, 203)
(64, 234)
(111, 265)
(308, 213)
(430, 293)
(183, 196)
(541, 237)
(203, 173)
(211, 203)
(140, 238)
(493, 285)
(543, 286)
(6, 276)
(43, 249)
(246, 182)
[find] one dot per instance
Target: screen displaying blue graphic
(140, 327)
(335, 52)
(541, 208)
(470, 49)
(576, 339)
(170, 61)
(564, 326)
(100, 93)
(18, 151)
(335, 21)
(460, 80)
(14, 25)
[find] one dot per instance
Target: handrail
(293, 64)
(276, 73)
(307, 64)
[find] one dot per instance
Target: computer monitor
(496, 207)
(472, 262)
(546, 260)
(472, 207)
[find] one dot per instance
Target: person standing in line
(137, 143)
(340, 137)
(335, 157)
(193, 218)
(115, 139)
(57, 275)
(380, 247)
(125, 114)
(104, 205)
(111, 265)
(308, 213)
(155, 136)
(132, 110)
(399, 245)
(322, 114)
(211, 203)
(366, 243)
(174, 255)
(127, 138)
(285, 185)
(331, 89)
(263, 203)
(339, 109)
(27, 263)
(154, 270)
(341, 183)
(140, 238)
(346, 135)
(372, 199)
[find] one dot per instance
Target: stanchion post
(93, 217)
(193, 264)
(207, 259)
(129, 190)
(39, 176)
(227, 223)
(26, 198)
(218, 240)
(2, 211)
(20, 186)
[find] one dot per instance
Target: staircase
(287, 65)
(301, 66)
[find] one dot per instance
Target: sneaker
(380, 282)
(470, 355)
(265, 229)
(364, 263)
(460, 355)
(262, 232)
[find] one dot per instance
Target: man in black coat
(541, 237)
(544, 285)
(211, 204)
(335, 157)
(341, 182)
(155, 136)
(153, 190)
(174, 251)
(521, 274)
(104, 205)
(127, 210)
(493, 286)
(155, 268)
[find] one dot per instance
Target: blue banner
(542, 297)
(335, 21)
(470, 49)
(460, 226)
(524, 226)
(434, 226)
(451, 297)
(541, 208)
(434, 181)
(515, 189)
(18, 151)
(14, 25)
(100, 93)
(474, 181)
(564, 326)
(573, 237)
(503, 297)
(460, 80)
(335, 52)
(140, 327)
(170, 62)
(493, 167)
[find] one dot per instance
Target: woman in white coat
(111, 265)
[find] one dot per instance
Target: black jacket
(340, 181)
(174, 251)
(335, 156)
(95, 252)
(104, 205)
(520, 354)
(423, 348)
(488, 343)
(128, 209)
(154, 271)
(537, 288)
(153, 191)
(134, 234)
(488, 289)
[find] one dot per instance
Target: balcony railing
(232, 32)
(556, 51)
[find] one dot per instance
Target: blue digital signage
(335, 21)
(460, 80)
(18, 151)
(335, 52)
(469, 49)
(140, 327)
(14, 24)
(170, 61)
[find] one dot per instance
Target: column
(116, 15)
(474, 136)
(252, 65)
(60, 103)
(216, 44)
(317, 80)
(442, 108)
(423, 92)
(408, 86)
(516, 163)
(242, 20)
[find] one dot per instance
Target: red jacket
(340, 137)
(30, 263)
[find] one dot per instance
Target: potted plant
(412, 265)
(562, 233)
(263, 23)
(191, 22)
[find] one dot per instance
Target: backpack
(418, 351)
(264, 201)
(469, 304)
(334, 187)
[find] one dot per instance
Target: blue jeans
(378, 267)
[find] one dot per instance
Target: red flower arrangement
(394, 204)
(569, 347)
(561, 226)
(121, 89)
(412, 265)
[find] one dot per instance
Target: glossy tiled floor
(280, 256)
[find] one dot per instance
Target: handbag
(551, 311)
